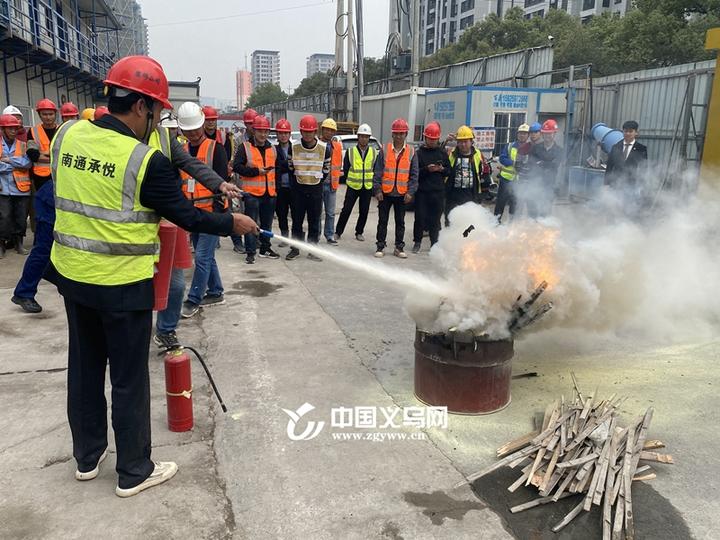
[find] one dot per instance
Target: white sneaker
(164, 471)
(379, 254)
(82, 476)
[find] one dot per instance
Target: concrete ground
(312, 332)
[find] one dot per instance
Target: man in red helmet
(110, 192)
(394, 184)
(283, 149)
(69, 111)
(248, 119)
(434, 167)
(310, 165)
(14, 186)
(39, 139)
(545, 160)
(214, 134)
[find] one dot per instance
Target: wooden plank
(536, 502)
(498, 464)
(645, 477)
(577, 461)
(550, 469)
(590, 427)
(520, 481)
(577, 388)
(538, 459)
(653, 445)
(516, 444)
(619, 519)
(567, 519)
(634, 456)
(658, 458)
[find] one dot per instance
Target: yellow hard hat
(329, 123)
(87, 114)
(524, 128)
(464, 132)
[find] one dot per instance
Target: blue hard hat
(534, 128)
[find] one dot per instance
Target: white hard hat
(169, 121)
(190, 116)
(11, 109)
(364, 129)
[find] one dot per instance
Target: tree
(265, 94)
(315, 84)
(375, 69)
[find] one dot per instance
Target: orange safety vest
(40, 137)
(257, 185)
(336, 164)
(194, 189)
(397, 171)
(22, 176)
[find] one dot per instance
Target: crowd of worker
(97, 184)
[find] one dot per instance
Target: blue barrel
(605, 136)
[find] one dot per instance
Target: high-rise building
(243, 87)
(320, 63)
(442, 22)
(133, 38)
(265, 67)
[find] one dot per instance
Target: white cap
(11, 109)
(169, 121)
(364, 129)
(190, 116)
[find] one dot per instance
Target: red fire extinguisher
(178, 388)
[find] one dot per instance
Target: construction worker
(358, 170)
(22, 132)
(111, 190)
(164, 138)
(394, 184)
(206, 286)
(310, 164)
(469, 172)
(14, 186)
(68, 111)
(248, 119)
(545, 159)
(87, 113)
(255, 163)
(328, 129)
(433, 168)
(213, 133)
(38, 149)
(512, 157)
(535, 135)
(101, 111)
(283, 150)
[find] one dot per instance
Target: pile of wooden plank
(581, 449)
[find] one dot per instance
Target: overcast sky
(214, 49)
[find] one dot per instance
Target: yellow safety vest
(103, 235)
(509, 173)
(308, 163)
(160, 140)
(477, 164)
(361, 171)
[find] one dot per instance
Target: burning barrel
(466, 373)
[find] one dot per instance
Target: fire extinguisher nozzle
(269, 234)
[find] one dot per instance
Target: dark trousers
(456, 197)
(397, 203)
(505, 197)
(36, 262)
(428, 211)
(351, 196)
(13, 216)
(122, 339)
(261, 209)
(307, 200)
(283, 206)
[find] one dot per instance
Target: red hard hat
(249, 117)
(101, 111)
(400, 126)
(432, 130)
(308, 123)
(261, 122)
(283, 126)
(549, 126)
(210, 112)
(45, 104)
(8, 120)
(69, 109)
(140, 74)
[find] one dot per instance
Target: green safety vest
(509, 173)
(361, 172)
(477, 164)
(103, 235)
(160, 140)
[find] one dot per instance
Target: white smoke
(656, 279)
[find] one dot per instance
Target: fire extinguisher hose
(207, 372)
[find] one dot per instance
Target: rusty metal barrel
(466, 373)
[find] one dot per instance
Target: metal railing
(40, 25)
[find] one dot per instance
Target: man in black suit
(626, 166)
